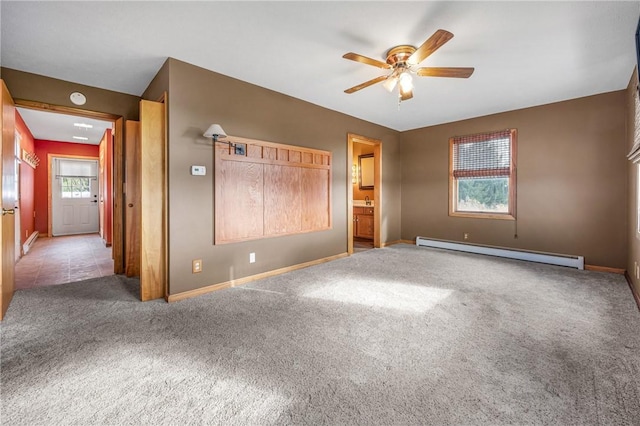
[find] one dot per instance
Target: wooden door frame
(50, 158)
(117, 211)
(377, 188)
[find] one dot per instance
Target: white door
(74, 196)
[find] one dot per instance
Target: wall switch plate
(196, 266)
(252, 258)
(198, 170)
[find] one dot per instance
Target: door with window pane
(74, 196)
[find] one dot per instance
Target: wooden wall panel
(239, 201)
(152, 206)
(316, 194)
(132, 199)
(282, 197)
(273, 189)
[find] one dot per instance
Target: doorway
(65, 188)
(74, 196)
(364, 193)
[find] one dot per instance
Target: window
(75, 187)
(482, 175)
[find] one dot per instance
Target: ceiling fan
(402, 60)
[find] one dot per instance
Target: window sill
(499, 216)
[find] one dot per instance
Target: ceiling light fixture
(83, 125)
(406, 82)
(78, 98)
(81, 138)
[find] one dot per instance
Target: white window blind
(480, 156)
(76, 168)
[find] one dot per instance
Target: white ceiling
(524, 53)
(60, 127)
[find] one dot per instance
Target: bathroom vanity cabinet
(363, 222)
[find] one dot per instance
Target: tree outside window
(75, 187)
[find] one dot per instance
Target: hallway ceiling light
(83, 125)
(82, 138)
(78, 98)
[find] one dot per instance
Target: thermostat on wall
(198, 170)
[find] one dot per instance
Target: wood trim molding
(240, 281)
(391, 243)
(635, 294)
(50, 158)
(118, 208)
(350, 217)
(42, 106)
(605, 269)
(377, 188)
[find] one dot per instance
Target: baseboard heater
(531, 256)
(27, 244)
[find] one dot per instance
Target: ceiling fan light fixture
(390, 83)
(401, 61)
(406, 82)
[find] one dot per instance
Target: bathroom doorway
(364, 193)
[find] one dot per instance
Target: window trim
(511, 214)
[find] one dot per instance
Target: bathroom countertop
(362, 203)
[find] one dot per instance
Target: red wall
(27, 221)
(43, 149)
(107, 185)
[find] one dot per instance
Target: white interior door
(74, 196)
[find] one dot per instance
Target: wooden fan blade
(445, 72)
(404, 96)
(366, 84)
(432, 44)
(364, 60)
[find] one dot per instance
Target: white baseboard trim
(30, 241)
(531, 256)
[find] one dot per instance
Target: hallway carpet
(400, 336)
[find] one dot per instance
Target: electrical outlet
(196, 266)
(252, 258)
(466, 236)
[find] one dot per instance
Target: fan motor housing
(399, 54)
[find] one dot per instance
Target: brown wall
(34, 87)
(633, 237)
(571, 188)
(198, 98)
